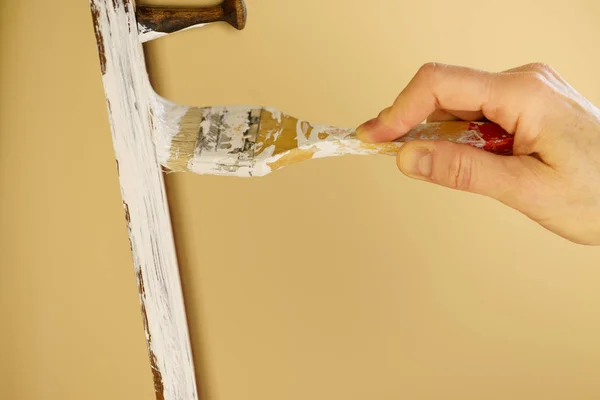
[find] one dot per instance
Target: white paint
(146, 34)
(235, 119)
(217, 159)
(166, 119)
(128, 92)
(470, 137)
(340, 142)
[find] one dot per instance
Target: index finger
(440, 86)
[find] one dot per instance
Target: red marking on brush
(497, 140)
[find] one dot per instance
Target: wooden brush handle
(300, 140)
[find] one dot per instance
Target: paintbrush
(256, 141)
(242, 141)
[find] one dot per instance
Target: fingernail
(363, 132)
(417, 162)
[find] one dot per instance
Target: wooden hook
(167, 20)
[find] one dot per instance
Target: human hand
(553, 176)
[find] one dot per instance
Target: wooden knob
(170, 19)
(235, 12)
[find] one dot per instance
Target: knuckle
(534, 79)
(460, 172)
(544, 67)
(540, 67)
(494, 113)
(428, 70)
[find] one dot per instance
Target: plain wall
(335, 278)
(70, 320)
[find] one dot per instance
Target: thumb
(463, 167)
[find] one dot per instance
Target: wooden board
(144, 199)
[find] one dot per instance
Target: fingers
(466, 168)
(501, 98)
(451, 115)
(543, 69)
(556, 137)
(435, 86)
(441, 116)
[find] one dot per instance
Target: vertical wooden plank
(127, 96)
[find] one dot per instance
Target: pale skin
(553, 176)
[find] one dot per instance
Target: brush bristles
(185, 142)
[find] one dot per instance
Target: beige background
(330, 279)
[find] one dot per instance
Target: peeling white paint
(129, 100)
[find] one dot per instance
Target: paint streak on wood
(159, 387)
(99, 40)
(184, 143)
(278, 131)
(306, 128)
(292, 157)
(130, 102)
